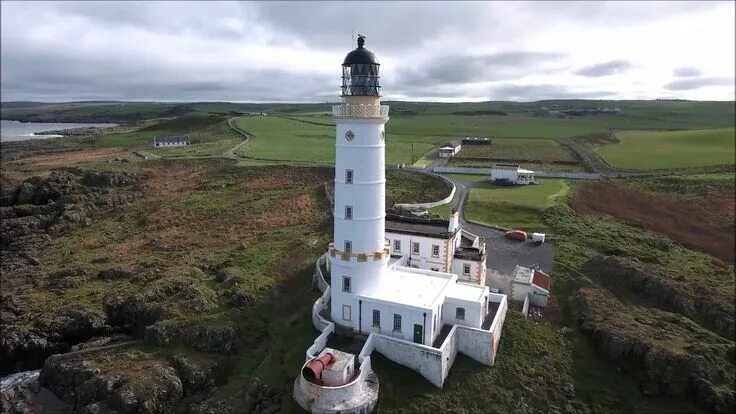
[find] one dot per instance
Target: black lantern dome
(360, 72)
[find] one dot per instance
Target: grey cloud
(697, 83)
(99, 50)
(686, 72)
(605, 69)
(545, 91)
(454, 69)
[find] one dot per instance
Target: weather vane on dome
(361, 40)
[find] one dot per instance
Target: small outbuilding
(530, 284)
(171, 141)
(449, 149)
(511, 175)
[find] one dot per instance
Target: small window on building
(345, 284)
(415, 248)
(435, 250)
(348, 176)
(397, 245)
(348, 212)
(377, 318)
(346, 312)
(460, 313)
(397, 322)
(348, 246)
(435, 269)
(466, 269)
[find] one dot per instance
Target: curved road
(502, 254)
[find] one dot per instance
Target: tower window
(415, 248)
(460, 313)
(348, 246)
(435, 250)
(346, 284)
(466, 269)
(397, 322)
(397, 245)
(376, 318)
(348, 176)
(348, 212)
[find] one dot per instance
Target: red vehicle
(516, 235)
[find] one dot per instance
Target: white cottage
(438, 245)
(511, 174)
(171, 141)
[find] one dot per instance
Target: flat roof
(411, 287)
(437, 228)
(521, 170)
(466, 292)
(523, 274)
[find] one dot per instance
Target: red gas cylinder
(313, 370)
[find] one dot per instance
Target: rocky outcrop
(197, 374)
(115, 380)
(207, 334)
(18, 394)
(669, 368)
(256, 398)
(651, 284)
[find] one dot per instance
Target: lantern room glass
(360, 79)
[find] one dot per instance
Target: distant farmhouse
(255, 113)
(172, 141)
(554, 112)
(449, 149)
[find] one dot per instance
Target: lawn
(516, 207)
(303, 139)
(671, 149)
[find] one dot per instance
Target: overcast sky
(440, 51)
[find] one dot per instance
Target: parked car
(516, 235)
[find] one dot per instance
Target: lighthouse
(359, 252)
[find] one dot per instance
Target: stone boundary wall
(540, 174)
(448, 199)
(431, 363)
(322, 302)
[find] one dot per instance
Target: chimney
(454, 221)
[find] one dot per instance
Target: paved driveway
(502, 254)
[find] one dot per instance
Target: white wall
(365, 155)
(363, 276)
(519, 291)
(504, 174)
(424, 260)
(409, 317)
(477, 271)
(432, 363)
(474, 312)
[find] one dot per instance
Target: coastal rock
(115, 273)
(649, 282)
(206, 334)
(125, 381)
(197, 374)
(255, 397)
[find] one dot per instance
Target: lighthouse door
(418, 333)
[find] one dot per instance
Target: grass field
(301, 139)
(671, 149)
(516, 207)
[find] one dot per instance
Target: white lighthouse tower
(359, 253)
